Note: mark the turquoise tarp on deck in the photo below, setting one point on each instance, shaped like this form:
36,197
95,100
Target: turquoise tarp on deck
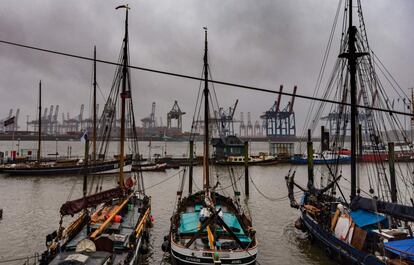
189,225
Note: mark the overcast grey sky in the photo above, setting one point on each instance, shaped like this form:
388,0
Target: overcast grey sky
262,43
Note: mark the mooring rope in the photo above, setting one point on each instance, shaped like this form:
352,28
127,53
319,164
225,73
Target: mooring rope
286,197
164,180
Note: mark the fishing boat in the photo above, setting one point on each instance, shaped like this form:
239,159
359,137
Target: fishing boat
261,159
112,226
373,225
206,226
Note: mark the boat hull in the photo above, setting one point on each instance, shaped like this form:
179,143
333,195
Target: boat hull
304,161
335,248
252,163
183,256
63,170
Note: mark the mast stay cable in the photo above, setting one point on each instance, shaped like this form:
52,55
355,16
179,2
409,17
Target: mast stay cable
248,87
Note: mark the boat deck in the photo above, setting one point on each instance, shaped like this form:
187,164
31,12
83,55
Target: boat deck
118,232
190,223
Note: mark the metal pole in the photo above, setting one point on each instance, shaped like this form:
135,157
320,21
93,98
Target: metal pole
190,172
246,168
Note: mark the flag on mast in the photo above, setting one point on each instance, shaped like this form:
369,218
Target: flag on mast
84,137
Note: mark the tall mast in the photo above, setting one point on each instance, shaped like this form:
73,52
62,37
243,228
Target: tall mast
94,106
124,95
352,57
39,139
206,117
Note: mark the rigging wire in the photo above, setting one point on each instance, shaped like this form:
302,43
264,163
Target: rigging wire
324,63
197,78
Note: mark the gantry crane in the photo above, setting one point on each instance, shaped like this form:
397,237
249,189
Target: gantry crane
280,122
175,114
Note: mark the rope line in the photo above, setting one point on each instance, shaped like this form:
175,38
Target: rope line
200,79
270,198
165,180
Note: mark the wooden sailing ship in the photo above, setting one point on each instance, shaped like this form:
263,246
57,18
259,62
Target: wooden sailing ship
373,225
41,167
112,225
208,227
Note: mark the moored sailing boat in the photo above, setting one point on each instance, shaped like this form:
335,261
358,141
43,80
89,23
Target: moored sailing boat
208,227
112,226
64,166
374,226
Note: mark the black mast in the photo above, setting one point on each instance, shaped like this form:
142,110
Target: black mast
39,139
352,56
94,105
352,71
124,95
206,117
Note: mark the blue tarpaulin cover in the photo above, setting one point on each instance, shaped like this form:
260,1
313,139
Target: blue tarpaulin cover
364,218
403,248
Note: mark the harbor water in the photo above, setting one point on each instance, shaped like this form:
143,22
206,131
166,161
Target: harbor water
31,205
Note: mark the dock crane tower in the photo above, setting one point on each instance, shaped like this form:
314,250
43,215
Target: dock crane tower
175,114
280,122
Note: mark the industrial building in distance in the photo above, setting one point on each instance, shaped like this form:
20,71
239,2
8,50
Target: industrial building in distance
275,124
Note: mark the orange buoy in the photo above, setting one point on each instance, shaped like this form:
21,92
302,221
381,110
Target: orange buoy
117,218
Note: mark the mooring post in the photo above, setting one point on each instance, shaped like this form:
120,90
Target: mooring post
310,160
246,168
360,145
86,163
391,162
